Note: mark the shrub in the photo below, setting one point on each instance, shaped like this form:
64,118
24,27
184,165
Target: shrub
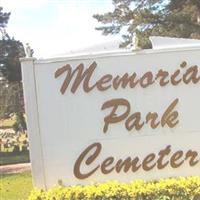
166,189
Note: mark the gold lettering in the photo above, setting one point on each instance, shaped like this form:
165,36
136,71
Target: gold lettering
147,160
107,81
193,157
106,163
134,122
101,83
127,164
125,80
77,167
163,75
81,75
148,77
174,76
162,154
175,158
170,117
152,117
113,117
191,75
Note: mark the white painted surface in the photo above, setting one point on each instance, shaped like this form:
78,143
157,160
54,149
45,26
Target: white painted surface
32,112
168,42
61,126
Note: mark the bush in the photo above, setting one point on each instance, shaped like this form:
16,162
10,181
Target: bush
168,189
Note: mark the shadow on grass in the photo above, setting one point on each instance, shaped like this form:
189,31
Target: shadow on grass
14,157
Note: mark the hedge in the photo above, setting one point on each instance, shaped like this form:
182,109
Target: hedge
166,189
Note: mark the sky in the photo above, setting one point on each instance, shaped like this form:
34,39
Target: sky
54,27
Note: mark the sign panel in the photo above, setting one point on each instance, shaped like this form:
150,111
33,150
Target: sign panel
117,116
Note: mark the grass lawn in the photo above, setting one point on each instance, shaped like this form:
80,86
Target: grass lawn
15,186
13,157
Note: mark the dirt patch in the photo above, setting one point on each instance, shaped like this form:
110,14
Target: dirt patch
15,168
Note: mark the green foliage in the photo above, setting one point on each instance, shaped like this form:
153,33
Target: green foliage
7,158
173,18
20,124
11,99
3,18
168,189
10,51
15,186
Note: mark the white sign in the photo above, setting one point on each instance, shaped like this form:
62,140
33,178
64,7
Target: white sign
114,116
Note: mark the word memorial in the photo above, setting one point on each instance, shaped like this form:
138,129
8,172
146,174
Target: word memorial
113,116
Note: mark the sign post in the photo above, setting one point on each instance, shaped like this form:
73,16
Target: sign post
113,116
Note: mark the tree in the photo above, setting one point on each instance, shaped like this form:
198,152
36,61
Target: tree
11,93
173,18
10,52
11,98
3,19
20,124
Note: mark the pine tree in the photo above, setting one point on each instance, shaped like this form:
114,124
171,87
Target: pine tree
173,18
11,94
10,51
4,17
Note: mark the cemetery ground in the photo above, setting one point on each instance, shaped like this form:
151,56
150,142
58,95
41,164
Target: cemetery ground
14,150
13,144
